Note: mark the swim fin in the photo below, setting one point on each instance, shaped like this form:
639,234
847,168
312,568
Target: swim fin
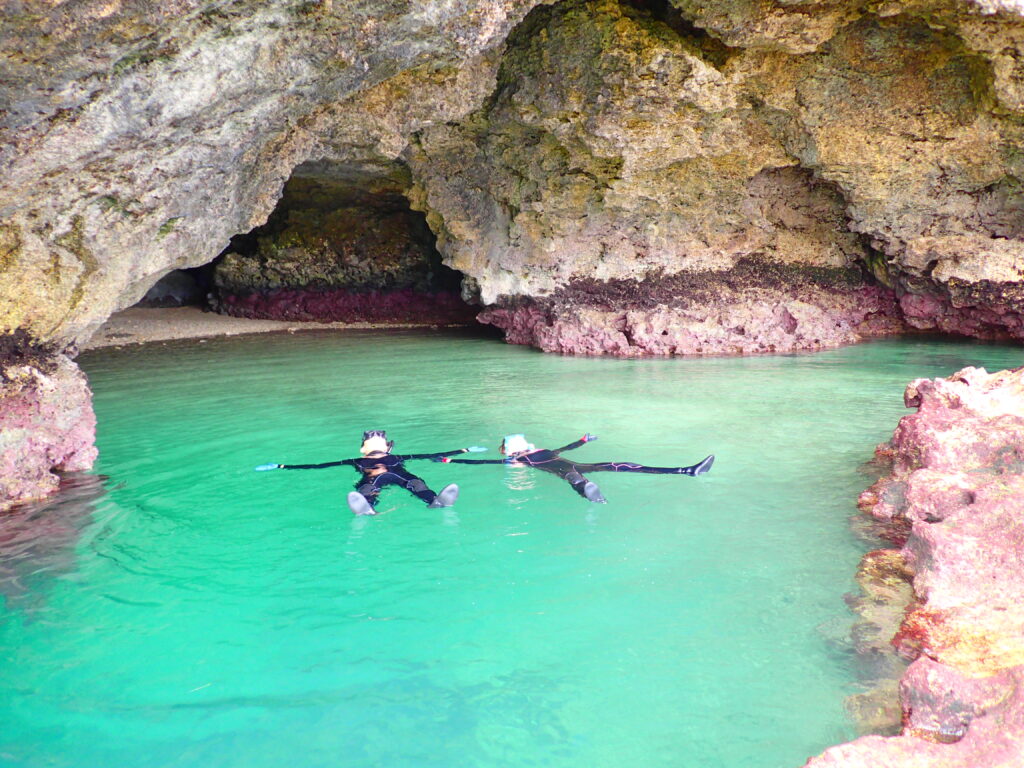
592,493
359,505
446,498
703,467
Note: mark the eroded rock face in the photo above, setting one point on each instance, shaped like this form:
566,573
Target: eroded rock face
754,308
605,141
622,145
957,486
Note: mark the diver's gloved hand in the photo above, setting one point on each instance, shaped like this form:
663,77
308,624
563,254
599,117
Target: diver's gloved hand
265,467
476,449
589,438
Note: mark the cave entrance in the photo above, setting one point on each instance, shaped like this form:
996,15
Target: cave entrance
343,244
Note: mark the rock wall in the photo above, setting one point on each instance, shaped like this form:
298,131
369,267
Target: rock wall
597,140
953,499
139,137
685,143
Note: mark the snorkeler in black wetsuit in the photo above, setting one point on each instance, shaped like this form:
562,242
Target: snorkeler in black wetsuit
519,452
381,468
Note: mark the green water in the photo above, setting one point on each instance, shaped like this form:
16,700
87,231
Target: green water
197,613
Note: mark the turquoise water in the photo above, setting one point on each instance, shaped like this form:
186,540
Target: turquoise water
193,612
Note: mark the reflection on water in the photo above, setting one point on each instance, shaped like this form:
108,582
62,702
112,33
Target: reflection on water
37,541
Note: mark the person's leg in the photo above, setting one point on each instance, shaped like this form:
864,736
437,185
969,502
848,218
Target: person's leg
364,498
699,468
369,490
585,488
414,485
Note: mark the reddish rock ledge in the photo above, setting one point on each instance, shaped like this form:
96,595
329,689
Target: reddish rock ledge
754,308
955,499
337,305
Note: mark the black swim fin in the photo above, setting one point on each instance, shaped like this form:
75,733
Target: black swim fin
359,505
446,498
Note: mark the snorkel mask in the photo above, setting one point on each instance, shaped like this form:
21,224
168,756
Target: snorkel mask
515,444
376,440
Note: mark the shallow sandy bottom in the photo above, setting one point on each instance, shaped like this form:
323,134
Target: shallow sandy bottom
140,325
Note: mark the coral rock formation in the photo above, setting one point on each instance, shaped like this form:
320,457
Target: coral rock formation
46,425
956,486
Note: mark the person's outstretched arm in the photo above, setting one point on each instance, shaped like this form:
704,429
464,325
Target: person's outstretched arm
587,438
325,465
438,456
446,460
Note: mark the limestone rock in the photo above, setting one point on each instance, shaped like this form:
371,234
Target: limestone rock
596,140
360,247
140,137
651,149
746,310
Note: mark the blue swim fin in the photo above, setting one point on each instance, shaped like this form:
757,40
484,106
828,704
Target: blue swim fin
359,505
446,498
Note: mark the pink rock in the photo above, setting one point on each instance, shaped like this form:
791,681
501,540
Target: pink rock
958,488
46,425
984,320
939,703
401,306
732,321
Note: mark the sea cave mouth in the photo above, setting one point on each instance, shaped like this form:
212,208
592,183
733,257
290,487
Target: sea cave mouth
342,245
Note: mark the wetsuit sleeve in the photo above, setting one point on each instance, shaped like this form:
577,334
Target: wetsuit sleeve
343,462
472,461
410,456
571,446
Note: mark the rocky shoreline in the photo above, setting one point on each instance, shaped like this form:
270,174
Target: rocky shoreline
952,503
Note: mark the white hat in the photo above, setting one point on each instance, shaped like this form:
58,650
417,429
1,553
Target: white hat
516,444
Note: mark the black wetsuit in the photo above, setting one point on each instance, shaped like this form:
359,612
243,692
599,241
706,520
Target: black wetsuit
394,473
572,471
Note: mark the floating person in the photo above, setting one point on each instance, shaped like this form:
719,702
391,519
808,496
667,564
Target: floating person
518,452
381,468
